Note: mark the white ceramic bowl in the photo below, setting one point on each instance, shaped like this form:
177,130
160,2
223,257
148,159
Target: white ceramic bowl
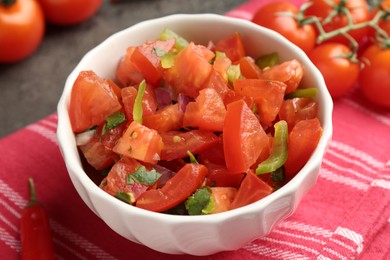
196,235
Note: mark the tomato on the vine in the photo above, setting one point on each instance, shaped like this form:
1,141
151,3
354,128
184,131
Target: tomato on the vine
22,26
358,10
304,36
383,23
375,76
68,12
340,73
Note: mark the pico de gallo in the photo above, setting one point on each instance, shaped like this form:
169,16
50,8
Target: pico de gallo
190,129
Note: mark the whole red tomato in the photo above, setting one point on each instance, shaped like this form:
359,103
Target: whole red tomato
358,10
374,79
68,12
383,23
339,72
304,36
22,26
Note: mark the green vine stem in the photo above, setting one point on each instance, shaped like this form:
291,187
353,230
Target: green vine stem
340,9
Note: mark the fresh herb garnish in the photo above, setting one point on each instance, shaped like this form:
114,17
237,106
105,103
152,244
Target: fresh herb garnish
143,176
200,202
113,121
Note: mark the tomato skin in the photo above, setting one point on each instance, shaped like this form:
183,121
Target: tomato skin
302,141
127,74
267,94
148,62
251,190
165,119
149,101
375,77
97,154
232,46
92,100
289,72
302,36
359,12
190,71
220,176
116,178
340,74
243,137
176,144
248,68
207,112
69,12
297,109
22,26
175,191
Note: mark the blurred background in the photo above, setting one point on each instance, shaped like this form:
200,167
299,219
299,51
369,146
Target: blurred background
31,88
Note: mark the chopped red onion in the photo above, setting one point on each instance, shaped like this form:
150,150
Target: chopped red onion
84,137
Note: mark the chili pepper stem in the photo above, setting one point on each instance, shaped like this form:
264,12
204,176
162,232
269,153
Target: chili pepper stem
33,195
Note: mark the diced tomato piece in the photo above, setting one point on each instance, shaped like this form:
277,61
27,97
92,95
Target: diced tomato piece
243,137
147,58
141,143
266,152
115,88
127,73
223,198
232,96
98,155
251,190
116,178
176,144
111,137
206,52
214,154
302,141
248,68
267,94
221,65
220,176
232,46
297,109
149,101
215,81
166,119
190,71
92,100
289,72
207,112
175,191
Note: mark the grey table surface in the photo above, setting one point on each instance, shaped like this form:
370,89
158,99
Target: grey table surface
30,89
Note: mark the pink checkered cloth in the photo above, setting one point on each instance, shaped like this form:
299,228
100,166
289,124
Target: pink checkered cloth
345,216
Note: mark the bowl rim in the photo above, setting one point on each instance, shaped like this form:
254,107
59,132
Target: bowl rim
67,143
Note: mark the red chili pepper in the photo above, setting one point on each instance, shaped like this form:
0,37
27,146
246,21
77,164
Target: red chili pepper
35,230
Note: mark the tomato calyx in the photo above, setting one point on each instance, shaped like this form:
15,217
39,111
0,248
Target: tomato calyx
33,195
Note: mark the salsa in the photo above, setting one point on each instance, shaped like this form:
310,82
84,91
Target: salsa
190,129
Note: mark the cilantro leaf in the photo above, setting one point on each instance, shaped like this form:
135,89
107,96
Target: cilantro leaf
113,121
142,176
199,202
